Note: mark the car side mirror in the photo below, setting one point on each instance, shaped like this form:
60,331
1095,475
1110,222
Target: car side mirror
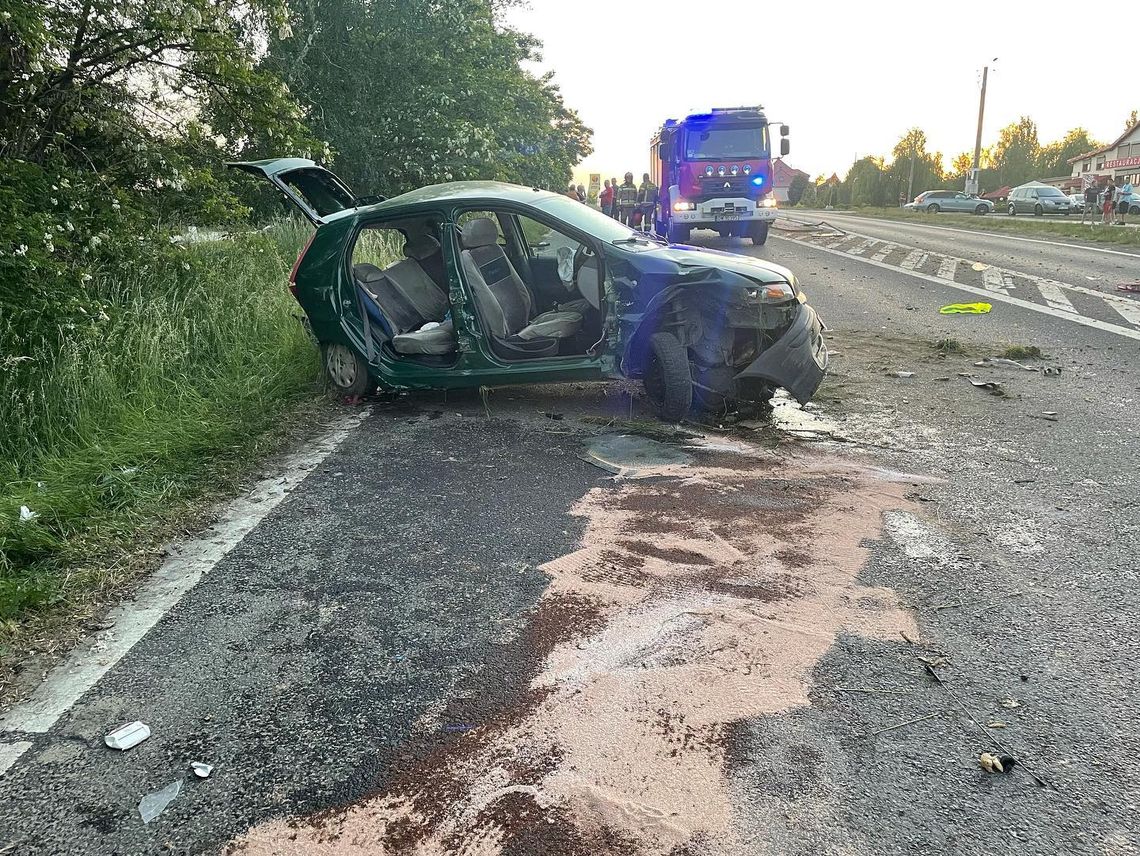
785,146
783,130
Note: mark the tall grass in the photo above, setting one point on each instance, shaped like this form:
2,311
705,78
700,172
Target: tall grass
117,421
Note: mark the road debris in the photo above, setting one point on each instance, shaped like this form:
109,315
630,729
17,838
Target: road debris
899,725
128,736
202,771
1007,752
630,456
979,266
1129,286
1051,370
997,723
900,374
1048,417
996,763
991,362
154,804
27,514
966,309
1010,703
993,387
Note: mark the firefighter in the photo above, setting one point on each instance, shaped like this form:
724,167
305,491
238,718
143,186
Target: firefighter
626,199
647,201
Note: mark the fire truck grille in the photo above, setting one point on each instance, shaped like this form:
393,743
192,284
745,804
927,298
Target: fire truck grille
734,184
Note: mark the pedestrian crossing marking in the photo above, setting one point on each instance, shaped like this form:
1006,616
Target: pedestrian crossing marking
947,268
993,280
914,259
1054,295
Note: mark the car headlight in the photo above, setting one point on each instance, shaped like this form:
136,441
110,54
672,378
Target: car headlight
773,291
747,168
720,170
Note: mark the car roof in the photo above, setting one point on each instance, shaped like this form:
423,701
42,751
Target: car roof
463,191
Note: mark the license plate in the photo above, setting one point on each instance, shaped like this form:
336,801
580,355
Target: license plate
729,216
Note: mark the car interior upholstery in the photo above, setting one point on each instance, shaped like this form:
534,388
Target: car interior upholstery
504,302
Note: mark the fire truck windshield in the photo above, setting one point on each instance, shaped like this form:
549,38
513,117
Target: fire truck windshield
712,143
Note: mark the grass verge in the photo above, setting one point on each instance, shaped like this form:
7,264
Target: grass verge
116,431
1046,228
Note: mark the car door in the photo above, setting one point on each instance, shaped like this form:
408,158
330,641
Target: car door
962,202
313,190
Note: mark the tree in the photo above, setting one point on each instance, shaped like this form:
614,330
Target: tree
1017,151
1133,120
797,188
927,167
1053,159
412,92
961,165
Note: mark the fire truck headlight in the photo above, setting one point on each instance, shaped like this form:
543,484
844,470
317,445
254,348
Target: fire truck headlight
770,202
747,168
758,180
709,169
720,170
735,169
683,205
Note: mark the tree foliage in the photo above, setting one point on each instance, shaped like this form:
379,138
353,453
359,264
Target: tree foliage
413,92
1053,159
797,188
1017,151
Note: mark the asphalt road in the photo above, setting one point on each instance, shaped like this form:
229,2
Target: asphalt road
455,635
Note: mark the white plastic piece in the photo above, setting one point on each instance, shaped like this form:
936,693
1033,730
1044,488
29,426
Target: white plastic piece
128,736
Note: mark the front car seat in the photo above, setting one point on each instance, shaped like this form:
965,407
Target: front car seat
504,303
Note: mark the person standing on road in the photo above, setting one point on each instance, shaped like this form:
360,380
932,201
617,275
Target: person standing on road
1089,208
614,206
1122,205
647,200
606,199
1107,206
627,200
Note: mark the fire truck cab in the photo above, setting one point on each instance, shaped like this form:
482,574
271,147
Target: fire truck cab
715,172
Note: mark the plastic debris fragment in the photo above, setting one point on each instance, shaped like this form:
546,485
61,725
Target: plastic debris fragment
127,736
154,804
202,771
966,309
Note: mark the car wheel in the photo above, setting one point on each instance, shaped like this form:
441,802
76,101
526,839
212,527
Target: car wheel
982,209
1012,211
345,371
668,378
1038,211
933,208
758,232
1134,209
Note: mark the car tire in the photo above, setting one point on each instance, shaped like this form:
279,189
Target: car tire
758,232
345,371
933,208
668,378
1038,211
1134,209
1012,211
982,209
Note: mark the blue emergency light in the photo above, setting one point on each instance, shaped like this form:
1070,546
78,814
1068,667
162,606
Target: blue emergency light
758,180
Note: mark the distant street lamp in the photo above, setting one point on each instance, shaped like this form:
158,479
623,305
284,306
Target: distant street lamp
972,181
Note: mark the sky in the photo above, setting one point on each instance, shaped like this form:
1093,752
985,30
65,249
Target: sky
848,78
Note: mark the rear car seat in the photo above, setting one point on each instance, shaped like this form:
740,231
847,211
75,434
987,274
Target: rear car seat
408,298
502,299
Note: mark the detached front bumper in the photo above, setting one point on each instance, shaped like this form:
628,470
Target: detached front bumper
797,361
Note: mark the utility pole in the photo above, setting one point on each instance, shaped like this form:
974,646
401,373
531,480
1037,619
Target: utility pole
910,181
972,181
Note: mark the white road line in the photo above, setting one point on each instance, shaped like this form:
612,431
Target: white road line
914,259
1130,312
189,561
1054,295
884,252
1007,235
1127,332
862,247
992,280
947,268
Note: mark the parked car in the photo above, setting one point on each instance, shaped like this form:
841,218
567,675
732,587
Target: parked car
500,284
1133,200
1038,199
949,200
1076,202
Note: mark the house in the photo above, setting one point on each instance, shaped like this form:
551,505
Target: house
999,195
782,176
1118,162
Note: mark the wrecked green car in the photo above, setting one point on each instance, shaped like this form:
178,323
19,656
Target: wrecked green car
476,283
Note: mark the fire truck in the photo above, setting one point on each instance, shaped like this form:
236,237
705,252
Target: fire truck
715,172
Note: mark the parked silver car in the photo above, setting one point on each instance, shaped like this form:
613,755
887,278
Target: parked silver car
1038,199
949,200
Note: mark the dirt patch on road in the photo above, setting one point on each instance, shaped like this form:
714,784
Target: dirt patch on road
617,744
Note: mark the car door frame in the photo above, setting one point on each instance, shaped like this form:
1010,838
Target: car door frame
596,362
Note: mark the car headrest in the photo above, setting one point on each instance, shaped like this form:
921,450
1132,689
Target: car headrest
479,233
365,272
421,247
